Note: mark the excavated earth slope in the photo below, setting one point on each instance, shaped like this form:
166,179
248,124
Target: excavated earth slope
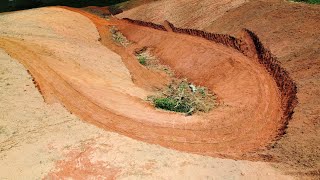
99,88
176,11
62,52
291,31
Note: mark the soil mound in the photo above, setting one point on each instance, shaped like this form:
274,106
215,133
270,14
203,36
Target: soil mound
105,92
290,31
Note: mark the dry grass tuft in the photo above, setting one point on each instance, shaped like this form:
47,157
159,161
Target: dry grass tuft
182,96
118,37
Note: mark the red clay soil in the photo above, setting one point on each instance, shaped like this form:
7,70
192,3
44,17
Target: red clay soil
249,45
291,31
248,119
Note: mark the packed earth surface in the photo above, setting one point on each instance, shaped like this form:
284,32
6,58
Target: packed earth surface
73,102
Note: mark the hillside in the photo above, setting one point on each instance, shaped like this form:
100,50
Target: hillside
79,104
76,66
290,30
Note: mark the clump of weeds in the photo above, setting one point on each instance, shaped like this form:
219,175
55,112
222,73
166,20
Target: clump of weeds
184,97
118,37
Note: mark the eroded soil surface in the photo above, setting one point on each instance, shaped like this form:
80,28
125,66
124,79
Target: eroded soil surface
99,84
291,31
100,91
75,63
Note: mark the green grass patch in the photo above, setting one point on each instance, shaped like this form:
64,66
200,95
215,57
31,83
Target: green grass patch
118,37
142,59
146,58
184,97
308,1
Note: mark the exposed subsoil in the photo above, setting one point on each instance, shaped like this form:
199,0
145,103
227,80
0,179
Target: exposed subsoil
248,119
291,31
61,50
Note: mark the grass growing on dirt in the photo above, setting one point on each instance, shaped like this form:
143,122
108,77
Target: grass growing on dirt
308,1
118,37
142,59
182,96
146,58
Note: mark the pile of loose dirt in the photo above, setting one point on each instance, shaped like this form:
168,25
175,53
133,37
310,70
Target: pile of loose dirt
61,51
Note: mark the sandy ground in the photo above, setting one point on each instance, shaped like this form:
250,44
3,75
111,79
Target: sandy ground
38,141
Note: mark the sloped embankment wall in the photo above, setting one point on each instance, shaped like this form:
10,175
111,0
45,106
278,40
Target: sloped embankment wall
146,24
250,46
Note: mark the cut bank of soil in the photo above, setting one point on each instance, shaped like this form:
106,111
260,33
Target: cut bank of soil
37,136
291,31
248,120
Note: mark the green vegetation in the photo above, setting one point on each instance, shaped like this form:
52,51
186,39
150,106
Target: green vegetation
308,1
118,37
146,58
142,59
182,96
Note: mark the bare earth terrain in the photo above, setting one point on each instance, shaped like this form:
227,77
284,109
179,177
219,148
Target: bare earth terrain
291,31
45,141
73,102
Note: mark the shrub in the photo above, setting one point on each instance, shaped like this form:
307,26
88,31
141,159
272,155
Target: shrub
165,103
182,96
142,59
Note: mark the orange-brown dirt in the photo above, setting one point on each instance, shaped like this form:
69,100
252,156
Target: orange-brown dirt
63,52
291,31
250,115
247,120
79,166
249,95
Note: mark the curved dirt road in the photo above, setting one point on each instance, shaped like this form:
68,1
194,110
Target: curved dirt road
106,90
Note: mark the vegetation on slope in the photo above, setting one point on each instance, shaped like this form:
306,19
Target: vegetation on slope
118,37
308,1
182,96
146,58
